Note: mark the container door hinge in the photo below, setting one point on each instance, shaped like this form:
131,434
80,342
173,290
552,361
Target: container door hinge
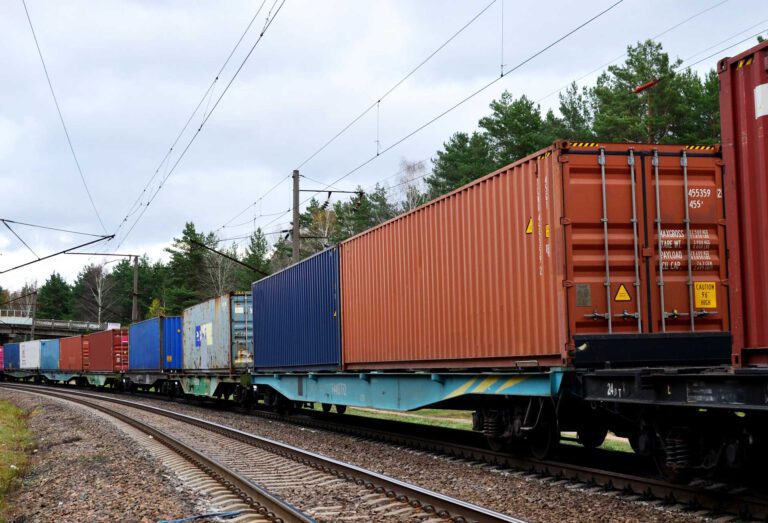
565,221
568,283
647,252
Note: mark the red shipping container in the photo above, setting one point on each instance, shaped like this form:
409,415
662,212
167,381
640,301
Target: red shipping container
71,353
515,267
744,123
108,351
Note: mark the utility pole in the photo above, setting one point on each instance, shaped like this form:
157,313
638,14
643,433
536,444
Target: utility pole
135,311
296,235
34,313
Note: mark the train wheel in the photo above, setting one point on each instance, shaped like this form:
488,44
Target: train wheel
545,438
326,407
341,409
591,437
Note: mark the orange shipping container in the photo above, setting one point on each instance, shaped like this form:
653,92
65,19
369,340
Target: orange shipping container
563,256
71,353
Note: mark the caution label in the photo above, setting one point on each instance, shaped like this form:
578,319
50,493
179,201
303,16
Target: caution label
705,294
529,227
622,294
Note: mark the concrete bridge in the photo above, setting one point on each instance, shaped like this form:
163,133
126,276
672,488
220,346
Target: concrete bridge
16,326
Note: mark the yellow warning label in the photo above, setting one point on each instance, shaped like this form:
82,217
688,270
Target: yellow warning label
622,294
705,294
546,230
529,227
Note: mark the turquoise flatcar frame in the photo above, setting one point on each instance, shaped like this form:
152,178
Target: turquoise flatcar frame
403,392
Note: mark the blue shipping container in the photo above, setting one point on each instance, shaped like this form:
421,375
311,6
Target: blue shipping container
296,316
11,356
49,354
155,344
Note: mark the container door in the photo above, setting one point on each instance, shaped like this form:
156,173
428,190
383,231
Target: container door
242,331
686,225
603,234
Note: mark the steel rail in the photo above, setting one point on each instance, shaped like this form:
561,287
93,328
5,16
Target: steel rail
263,502
429,501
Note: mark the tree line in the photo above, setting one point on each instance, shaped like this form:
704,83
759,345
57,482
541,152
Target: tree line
681,107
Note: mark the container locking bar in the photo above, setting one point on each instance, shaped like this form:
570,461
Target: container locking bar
689,283
659,240
601,161
631,161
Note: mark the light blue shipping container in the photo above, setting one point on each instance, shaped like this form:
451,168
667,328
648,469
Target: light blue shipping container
155,344
49,354
11,356
218,334
296,316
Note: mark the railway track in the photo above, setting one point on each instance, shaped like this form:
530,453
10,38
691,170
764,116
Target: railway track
263,472
705,496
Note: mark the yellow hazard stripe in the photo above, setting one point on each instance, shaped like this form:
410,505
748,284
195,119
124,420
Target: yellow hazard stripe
545,155
744,63
584,144
461,390
700,147
485,385
509,383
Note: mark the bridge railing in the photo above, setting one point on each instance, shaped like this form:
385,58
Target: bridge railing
24,318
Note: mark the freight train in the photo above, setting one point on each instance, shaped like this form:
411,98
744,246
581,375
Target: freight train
590,287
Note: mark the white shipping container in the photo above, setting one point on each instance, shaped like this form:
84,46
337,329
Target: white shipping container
29,355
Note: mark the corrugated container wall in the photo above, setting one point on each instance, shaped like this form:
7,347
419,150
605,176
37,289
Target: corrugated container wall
744,123
217,334
49,354
1,357
11,356
71,353
108,351
296,321
155,344
29,355
558,250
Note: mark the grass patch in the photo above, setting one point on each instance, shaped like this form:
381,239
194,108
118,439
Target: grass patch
452,419
15,439
612,443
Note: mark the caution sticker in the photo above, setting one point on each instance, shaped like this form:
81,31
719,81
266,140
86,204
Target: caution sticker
622,294
529,227
705,294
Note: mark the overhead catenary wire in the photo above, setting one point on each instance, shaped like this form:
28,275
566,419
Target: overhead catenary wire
752,36
206,95
389,91
606,64
50,228
375,104
462,101
61,118
278,4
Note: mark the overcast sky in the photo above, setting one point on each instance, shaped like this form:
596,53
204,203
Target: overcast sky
128,74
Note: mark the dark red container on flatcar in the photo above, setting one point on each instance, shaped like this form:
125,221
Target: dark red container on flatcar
744,123
582,253
71,353
108,351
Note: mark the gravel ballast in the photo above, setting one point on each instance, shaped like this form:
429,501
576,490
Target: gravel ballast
84,468
531,499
